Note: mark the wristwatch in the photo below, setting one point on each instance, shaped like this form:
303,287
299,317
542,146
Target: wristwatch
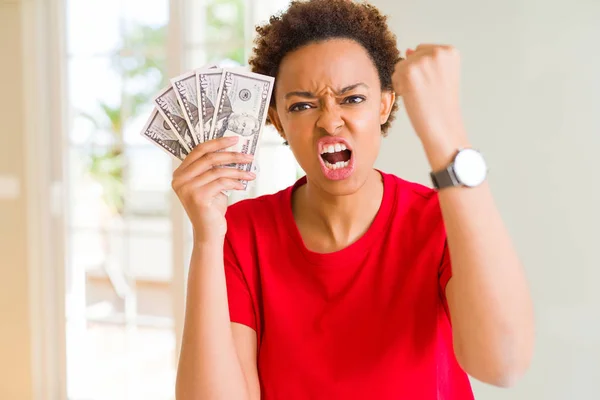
467,169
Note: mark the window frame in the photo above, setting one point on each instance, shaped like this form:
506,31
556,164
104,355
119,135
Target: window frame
47,144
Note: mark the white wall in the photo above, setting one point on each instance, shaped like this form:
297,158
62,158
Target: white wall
531,100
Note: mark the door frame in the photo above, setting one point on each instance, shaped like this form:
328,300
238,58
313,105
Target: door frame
43,94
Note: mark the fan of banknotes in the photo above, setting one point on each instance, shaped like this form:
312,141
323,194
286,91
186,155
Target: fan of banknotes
209,103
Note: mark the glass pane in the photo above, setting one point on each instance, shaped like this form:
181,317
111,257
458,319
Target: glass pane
146,12
94,104
217,27
149,173
120,333
93,26
149,259
278,169
95,189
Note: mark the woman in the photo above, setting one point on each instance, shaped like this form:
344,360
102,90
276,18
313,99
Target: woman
353,283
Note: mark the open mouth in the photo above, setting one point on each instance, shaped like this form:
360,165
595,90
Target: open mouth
336,156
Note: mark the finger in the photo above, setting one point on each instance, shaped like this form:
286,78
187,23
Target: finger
426,47
208,147
216,174
429,48
398,78
216,187
214,159
419,50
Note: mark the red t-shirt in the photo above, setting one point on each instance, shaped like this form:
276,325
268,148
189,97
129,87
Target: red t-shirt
367,322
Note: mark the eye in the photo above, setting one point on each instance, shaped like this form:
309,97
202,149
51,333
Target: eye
299,107
354,100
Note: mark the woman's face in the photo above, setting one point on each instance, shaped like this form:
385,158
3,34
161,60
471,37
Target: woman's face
330,108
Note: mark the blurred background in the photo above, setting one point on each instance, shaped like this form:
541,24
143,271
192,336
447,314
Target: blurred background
94,246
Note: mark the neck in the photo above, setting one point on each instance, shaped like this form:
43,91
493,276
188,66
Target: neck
328,222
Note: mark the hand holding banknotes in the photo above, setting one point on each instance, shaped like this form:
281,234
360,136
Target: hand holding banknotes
210,119
200,180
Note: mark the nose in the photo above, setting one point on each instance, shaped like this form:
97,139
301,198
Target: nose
330,118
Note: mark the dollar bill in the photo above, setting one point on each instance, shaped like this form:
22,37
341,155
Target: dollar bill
208,81
160,133
168,107
243,102
186,92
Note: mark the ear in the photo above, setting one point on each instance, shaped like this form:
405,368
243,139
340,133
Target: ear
274,118
388,98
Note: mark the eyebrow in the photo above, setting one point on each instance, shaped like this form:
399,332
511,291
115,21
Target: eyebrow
312,95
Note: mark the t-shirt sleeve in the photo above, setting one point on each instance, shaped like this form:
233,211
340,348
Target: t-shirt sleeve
445,273
241,308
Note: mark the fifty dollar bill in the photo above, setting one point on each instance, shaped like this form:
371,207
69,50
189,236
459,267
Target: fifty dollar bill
243,102
208,81
186,92
159,132
168,107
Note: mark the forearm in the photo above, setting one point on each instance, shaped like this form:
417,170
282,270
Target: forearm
208,366
488,298
490,306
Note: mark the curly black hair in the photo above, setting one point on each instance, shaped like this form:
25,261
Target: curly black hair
313,21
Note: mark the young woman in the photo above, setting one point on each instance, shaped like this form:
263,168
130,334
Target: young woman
353,283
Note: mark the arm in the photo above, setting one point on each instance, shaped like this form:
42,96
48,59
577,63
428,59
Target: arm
488,299
218,358
245,341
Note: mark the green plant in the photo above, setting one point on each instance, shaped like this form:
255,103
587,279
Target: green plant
140,62
225,30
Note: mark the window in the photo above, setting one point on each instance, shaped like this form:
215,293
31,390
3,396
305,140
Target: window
121,238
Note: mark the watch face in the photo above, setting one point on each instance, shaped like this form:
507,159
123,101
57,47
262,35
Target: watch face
470,167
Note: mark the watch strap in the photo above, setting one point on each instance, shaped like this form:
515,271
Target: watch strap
444,178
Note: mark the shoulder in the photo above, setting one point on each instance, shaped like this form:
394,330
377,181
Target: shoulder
244,211
252,223
417,209
416,206
413,194
255,212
